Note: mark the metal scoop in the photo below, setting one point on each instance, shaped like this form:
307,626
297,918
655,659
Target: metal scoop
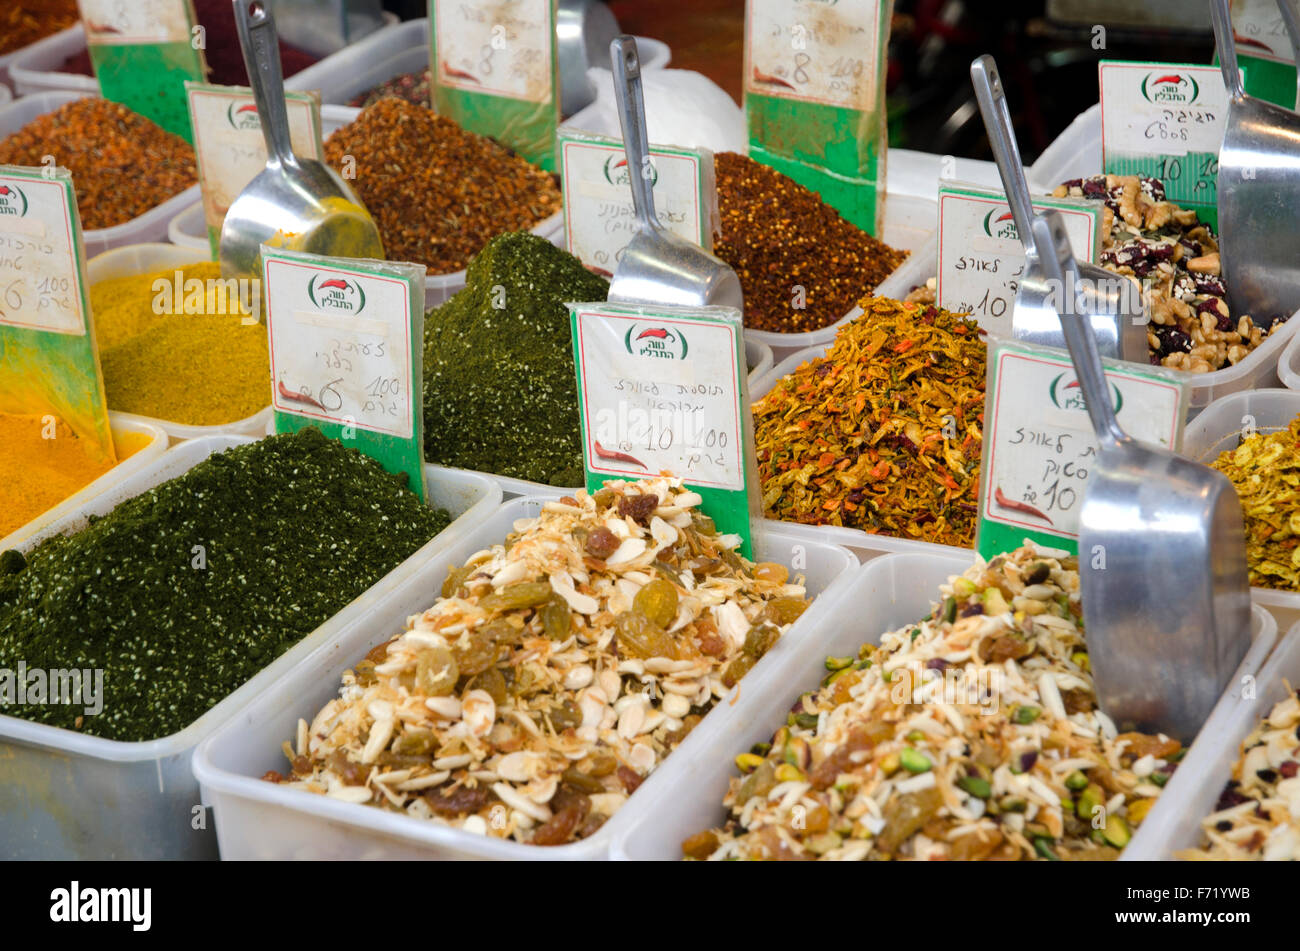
1111,302
657,266
293,203
1162,555
1258,189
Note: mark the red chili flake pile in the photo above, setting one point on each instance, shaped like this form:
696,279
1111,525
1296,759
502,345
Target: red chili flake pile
884,433
26,21
779,235
437,192
122,164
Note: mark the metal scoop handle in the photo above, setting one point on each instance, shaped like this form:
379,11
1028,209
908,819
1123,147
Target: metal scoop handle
1062,271
258,40
1226,46
626,64
992,99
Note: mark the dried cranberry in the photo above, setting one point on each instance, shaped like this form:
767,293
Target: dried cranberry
1209,284
1094,188
971,610
1289,768
1172,340
1027,761
1230,797
936,663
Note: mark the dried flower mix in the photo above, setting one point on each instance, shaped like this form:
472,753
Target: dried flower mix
290,529
122,164
555,673
1257,817
500,393
1176,258
412,87
194,361
972,734
884,432
780,236
437,192
1265,471
23,22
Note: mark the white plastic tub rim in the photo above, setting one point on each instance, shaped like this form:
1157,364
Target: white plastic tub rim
1288,364
38,67
883,595
228,767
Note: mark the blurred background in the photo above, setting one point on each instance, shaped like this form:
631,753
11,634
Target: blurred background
1046,52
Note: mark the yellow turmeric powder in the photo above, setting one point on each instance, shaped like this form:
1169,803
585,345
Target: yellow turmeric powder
44,462
175,345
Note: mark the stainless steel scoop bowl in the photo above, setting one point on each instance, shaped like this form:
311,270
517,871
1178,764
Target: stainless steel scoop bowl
1162,555
294,202
658,267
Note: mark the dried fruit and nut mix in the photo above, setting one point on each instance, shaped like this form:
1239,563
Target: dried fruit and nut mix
437,192
1258,815
1265,471
884,432
801,265
973,734
122,164
556,671
1176,258
413,87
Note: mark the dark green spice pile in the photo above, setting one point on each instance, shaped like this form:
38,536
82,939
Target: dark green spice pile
499,389
292,529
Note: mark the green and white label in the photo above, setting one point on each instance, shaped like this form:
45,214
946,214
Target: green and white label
230,147
599,218
1039,445
1165,121
662,390
1264,51
143,52
814,97
48,360
345,339
495,71
981,256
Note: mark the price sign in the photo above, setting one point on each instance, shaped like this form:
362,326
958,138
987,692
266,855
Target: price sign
1165,121
599,219
815,100
663,390
1264,51
230,147
495,71
981,256
48,361
143,51
345,339
1039,444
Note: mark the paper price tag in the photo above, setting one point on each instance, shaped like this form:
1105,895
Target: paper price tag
599,219
48,360
1165,121
1264,51
136,21
345,340
1039,444
981,256
230,147
495,71
663,390
814,97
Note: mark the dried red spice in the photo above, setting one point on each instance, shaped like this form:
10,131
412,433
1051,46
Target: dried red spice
23,22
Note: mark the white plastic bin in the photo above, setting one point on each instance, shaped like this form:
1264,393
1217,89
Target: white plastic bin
910,224
189,230
261,820
120,424
918,173
144,259
150,226
1075,153
5,94
883,595
39,67
758,358
64,795
1288,364
1200,778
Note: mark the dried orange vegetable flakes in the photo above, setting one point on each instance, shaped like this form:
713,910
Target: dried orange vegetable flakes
884,432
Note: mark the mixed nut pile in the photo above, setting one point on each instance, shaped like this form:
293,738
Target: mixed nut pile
555,673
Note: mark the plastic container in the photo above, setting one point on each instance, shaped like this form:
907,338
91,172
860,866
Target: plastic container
1200,778
5,94
883,595
256,819
910,224
189,230
65,795
758,358
918,173
150,226
121,424
1288,364
144,259
1075,153
38,68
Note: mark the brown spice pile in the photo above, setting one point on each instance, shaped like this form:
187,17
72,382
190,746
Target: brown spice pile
26,21
122,164
884,433
437,192
778,236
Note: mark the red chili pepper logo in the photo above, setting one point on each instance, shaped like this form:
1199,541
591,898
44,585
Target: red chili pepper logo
250,107
4,189
657,332
1006,216
1171,78
335,282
